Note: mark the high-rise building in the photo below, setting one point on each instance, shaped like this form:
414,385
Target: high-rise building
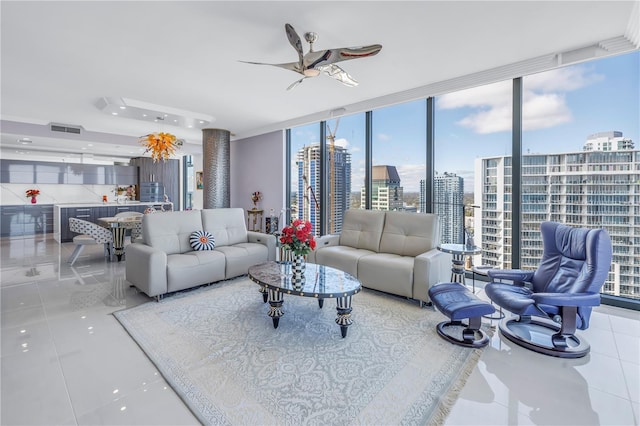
308,162
448,194
594,188
386,192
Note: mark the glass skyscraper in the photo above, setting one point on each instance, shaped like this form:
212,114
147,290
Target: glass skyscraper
598,187
308,190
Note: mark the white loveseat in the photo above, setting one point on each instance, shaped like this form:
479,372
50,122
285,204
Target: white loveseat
165,262
394,252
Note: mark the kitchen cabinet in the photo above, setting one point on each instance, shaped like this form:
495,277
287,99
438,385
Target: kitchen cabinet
166,173
26,220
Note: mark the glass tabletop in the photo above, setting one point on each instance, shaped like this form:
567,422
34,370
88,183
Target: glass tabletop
320,281
459,249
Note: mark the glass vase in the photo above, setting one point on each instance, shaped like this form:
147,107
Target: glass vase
33,200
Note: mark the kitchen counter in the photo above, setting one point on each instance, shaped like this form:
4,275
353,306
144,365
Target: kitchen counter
91,212
99,204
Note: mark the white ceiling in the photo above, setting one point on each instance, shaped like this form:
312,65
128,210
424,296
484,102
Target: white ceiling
60,58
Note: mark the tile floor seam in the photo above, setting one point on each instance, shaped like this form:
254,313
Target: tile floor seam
58,363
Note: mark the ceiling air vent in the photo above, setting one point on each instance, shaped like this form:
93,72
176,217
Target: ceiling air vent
65,128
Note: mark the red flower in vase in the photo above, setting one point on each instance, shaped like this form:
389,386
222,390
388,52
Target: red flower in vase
298,237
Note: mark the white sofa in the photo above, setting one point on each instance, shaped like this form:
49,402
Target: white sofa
165,262
394,252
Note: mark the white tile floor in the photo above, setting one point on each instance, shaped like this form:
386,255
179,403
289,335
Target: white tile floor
66,360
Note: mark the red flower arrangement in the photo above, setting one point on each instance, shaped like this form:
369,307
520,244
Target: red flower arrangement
298,237
32,193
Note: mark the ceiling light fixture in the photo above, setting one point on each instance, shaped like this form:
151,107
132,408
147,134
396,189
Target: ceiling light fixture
145,111
161,145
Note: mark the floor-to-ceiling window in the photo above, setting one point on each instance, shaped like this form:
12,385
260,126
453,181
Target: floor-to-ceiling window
345,167
580,162
581,159
472,176
305,174
188,178
399,157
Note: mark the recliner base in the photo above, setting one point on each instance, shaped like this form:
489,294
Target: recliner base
471,337
539,335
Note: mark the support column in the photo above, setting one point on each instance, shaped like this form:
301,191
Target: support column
216,163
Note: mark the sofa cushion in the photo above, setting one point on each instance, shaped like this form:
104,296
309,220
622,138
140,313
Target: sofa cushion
344,258
362,229
387,272
226,225
409,234
194,268
202,240
170,231
239,257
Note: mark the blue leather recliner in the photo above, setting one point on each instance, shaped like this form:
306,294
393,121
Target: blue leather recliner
554,300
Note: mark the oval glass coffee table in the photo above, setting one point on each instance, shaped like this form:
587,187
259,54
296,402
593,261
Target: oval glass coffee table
320,282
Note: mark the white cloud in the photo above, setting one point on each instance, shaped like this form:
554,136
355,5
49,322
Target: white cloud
410,176
495,119
481,96
544,102
384,137
544,111
341,142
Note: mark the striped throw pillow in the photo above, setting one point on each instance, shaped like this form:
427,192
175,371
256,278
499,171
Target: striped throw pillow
202,240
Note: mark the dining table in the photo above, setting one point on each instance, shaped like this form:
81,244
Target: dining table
118,227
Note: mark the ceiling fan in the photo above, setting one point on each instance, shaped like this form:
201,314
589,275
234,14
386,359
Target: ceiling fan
313,63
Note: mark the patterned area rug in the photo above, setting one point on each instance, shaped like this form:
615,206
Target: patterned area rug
218,349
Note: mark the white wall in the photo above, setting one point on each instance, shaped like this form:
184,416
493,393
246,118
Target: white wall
258,164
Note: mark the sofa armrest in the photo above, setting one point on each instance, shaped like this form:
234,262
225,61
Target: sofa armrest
146,268
322,242
266,239
430,268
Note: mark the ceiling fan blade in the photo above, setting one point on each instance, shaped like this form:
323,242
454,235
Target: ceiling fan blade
295,83
295,41
330,56
339,74
292,66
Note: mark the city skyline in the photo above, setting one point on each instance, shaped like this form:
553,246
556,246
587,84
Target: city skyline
561,108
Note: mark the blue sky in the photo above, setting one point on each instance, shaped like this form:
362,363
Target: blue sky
561,108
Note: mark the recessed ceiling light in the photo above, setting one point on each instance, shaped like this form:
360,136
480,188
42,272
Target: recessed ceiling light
84,148
89,144
140,110
114,113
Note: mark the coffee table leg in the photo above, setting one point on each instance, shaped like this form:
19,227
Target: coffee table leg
321,303
344,314
275,310
265,294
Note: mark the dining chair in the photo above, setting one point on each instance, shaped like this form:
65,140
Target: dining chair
136,232
90,233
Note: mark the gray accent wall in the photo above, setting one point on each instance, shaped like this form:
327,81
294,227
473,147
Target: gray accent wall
258,164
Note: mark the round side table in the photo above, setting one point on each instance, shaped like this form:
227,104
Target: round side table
459,252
